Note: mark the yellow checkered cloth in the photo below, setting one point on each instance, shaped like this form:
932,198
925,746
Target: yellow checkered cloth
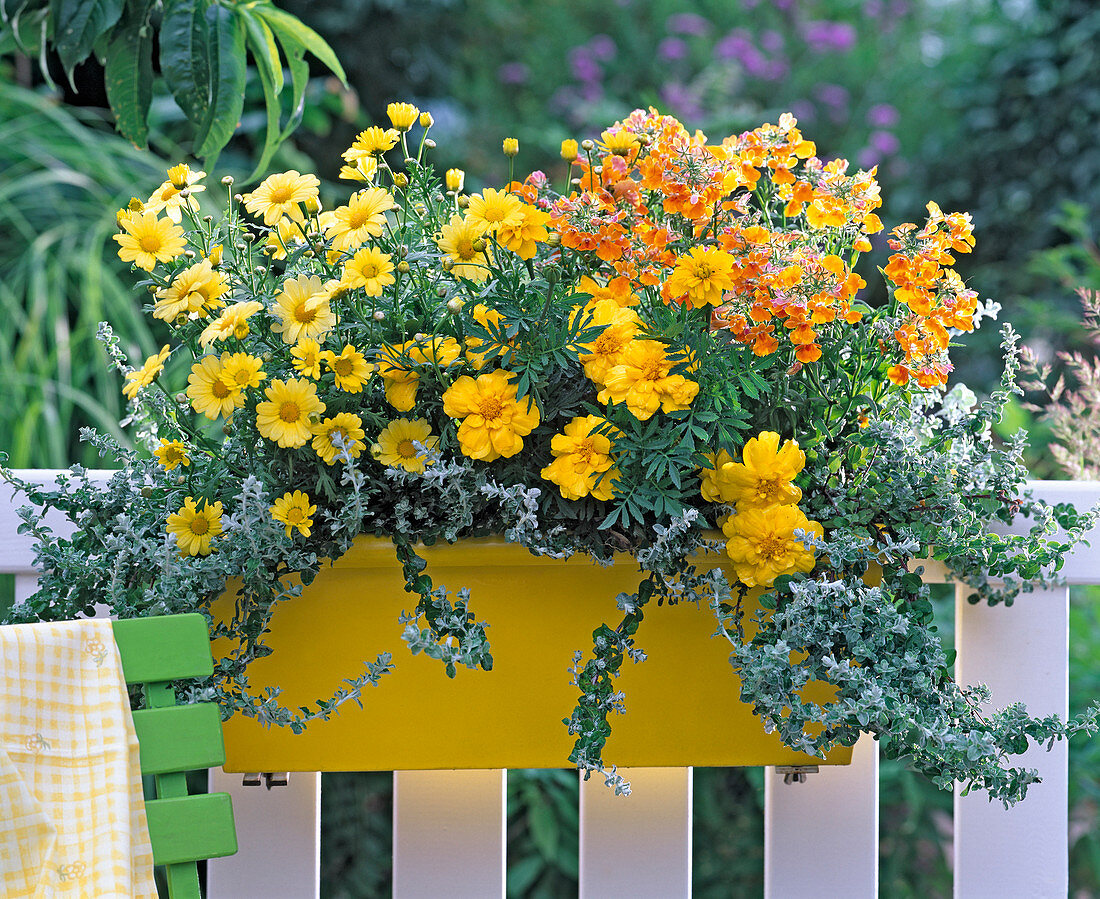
72,816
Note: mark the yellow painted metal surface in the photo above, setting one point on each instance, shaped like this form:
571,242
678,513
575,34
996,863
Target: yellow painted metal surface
682,704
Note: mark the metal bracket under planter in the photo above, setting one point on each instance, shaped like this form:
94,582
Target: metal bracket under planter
795,774
267,778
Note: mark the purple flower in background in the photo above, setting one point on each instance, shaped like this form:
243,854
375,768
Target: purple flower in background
687,23
783,5
513,73
883,115
754,62
591,92
804,111
680,100
733,45
868,157
885,142
824,36
775,70
872,8
584,66
672,48
831,95
602,47
771,40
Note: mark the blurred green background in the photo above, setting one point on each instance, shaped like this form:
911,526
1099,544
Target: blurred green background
980,105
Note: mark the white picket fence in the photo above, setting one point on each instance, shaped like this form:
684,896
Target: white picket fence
820,837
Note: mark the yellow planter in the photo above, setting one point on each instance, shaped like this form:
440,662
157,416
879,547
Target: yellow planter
682,704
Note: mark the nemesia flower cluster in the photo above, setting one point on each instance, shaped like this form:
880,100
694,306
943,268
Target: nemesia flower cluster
661,350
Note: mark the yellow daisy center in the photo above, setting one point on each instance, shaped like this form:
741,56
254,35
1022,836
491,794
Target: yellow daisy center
464,248
150,243
289,412
343,367
199,526
303,314
357,218
281,195
368,270
406,450
219,389
294,515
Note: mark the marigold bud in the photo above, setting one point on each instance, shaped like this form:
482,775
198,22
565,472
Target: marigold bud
511,146
400,180
553,239
312,206
479,245
455,306
426,120
463,202
379,315
403,267
448,263
402,115
568,150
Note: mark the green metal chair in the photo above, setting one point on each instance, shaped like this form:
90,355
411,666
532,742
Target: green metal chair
183,828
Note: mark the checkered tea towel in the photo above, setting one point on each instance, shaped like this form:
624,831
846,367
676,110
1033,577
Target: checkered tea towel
72,816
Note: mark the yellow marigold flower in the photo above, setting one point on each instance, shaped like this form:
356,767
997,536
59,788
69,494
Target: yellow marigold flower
700,276
458,241
395,444
343,432
402,115
167,199
294,511
279,195
306,355
372,142
522,239
581,455
363,218
211,393
350,367
145,375
510,146
642,381
491,320
494,422
762,544
454,179
241,370
617,289
568,150
232,322
303,309
621,142
365,168
147,240
492,209
171,454
284,416
193,290
370,269
195,528
713,486
397,366
764,479
620,326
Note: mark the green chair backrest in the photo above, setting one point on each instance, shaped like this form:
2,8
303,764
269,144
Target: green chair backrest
174,740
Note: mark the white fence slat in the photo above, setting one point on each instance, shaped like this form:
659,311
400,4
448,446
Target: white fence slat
637,846
279,835
449,834
1021,654
25,586
821,836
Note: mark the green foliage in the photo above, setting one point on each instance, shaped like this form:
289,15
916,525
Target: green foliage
204,47
60,276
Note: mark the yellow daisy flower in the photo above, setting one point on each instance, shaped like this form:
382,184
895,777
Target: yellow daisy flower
762,544
510,146
402,115
210,392
494,422
347,427
306,355
365,168
362,219
454,179
195,528
232,322
294,511
242,370
303,310
283,238
459,241
145,375
494,209
167,199
171,454
395,444
147,240
193,290
372,142
370,269
350,367
284,416
279,195
621,143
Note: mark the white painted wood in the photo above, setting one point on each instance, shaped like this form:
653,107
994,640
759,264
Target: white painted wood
1082,565
279,839
637,846
449,834
821,836
25,586
1021,654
